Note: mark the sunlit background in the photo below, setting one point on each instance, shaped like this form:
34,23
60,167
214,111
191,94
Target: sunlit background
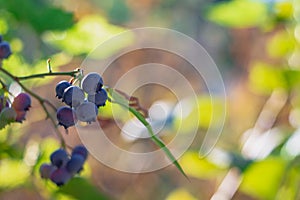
254,43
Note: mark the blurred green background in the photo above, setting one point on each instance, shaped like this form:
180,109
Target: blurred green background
255,44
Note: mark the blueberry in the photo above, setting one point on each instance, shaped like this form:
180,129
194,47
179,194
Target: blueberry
20,116
46,170
5,51
59,158
92,83
66,116
99,98
3,103
87,112
60,176
73,96
22,102
60,87
75,164
80,150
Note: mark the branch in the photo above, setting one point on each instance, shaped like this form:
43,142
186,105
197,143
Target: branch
42,75
41,100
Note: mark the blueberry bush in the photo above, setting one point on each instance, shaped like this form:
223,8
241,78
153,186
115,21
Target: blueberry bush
44,95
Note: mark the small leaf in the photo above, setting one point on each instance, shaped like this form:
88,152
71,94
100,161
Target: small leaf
262,178
237,13
81,189
7,116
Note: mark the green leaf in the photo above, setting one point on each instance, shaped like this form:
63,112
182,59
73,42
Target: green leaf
81,189
262,178
119,99
264,78
7,116
13,173
281,44
119,12
80,39
41,16
199,168
239,13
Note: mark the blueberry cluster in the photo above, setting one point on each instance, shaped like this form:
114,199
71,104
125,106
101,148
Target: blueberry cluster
5,50
17,110
82,102
63,167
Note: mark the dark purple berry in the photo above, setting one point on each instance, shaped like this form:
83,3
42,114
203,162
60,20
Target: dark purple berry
59,158
3,103
5,51
73,96
80,150
20,116
99,98
1,38
66,116
60,176
92,83
60,88
22,102
46,170
75,164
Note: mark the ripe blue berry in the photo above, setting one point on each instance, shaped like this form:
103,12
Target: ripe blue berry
66,116
60,88
46,170
5,51
87,112
73,96
92,83
75,164
60,176
80,150
59,158
99,98
3,103
22,102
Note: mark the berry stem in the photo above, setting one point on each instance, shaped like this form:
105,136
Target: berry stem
49,66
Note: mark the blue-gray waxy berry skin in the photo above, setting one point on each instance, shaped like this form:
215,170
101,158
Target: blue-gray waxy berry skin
59,158
80,150
75,164
66,116
60,88
99,98
92,83
46,170
5,50
73,96
87,112
60,176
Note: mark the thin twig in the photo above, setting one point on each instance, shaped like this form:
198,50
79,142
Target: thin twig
41,100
